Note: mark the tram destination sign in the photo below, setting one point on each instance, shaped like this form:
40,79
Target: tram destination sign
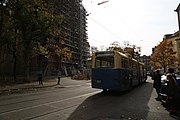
104,53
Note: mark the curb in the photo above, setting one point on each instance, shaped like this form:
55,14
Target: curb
28,87
24,88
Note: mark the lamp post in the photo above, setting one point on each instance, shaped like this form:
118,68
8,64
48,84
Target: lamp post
178,13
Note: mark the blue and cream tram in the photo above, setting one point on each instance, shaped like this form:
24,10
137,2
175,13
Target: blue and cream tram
113,70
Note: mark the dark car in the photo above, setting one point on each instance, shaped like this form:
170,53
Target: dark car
178,79
164,81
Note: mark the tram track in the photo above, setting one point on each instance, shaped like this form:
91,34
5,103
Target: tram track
51,105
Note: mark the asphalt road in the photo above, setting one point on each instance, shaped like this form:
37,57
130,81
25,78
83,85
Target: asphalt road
81,102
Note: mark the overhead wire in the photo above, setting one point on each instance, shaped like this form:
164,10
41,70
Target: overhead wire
96,40
106,29
101,25
111,31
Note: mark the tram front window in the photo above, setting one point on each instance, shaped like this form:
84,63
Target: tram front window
104,62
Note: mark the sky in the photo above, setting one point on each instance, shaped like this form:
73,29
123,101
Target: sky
138,22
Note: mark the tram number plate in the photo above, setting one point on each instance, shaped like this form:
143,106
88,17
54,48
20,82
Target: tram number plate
98,81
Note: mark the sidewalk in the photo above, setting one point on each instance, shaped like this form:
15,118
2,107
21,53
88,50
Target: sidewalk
65,82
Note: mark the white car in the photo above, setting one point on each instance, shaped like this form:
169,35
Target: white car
164,79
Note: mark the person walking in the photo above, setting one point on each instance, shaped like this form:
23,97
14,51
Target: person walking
40,77
172,92
59,77
157,84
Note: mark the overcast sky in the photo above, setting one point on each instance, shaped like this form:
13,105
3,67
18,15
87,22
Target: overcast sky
141,22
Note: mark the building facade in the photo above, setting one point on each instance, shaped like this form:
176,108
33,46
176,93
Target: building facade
174,41
178,15
74,35
146,60
75,38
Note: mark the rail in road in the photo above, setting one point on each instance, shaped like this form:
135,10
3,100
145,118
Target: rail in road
32,105
84,103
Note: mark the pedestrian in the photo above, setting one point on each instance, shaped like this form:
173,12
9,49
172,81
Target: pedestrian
40,75
157,83
172,94
59,77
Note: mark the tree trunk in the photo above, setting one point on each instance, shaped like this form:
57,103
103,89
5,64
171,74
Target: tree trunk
1,29
2,18
13,52
164,69
14,66
3,51
27,66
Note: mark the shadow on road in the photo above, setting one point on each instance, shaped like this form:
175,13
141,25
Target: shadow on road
115,105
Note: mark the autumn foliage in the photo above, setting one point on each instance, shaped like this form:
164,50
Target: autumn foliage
29,29
163,55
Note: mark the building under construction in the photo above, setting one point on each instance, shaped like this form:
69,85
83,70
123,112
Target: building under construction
75,39
74,26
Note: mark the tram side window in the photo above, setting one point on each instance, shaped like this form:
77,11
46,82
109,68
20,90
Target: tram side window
98,63
124,63
134,66
104,62
130,65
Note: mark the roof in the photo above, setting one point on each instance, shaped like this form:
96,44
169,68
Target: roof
168,36
178,8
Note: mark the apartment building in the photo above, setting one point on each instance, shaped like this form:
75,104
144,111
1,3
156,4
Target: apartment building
146,60
75,38
178,15
174,40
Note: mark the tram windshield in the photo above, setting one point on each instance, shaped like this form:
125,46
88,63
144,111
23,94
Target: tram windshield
104,62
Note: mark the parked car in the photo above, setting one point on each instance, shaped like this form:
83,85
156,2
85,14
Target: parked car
178,79
163,91
164,81
149,74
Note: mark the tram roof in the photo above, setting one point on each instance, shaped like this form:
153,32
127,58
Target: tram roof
122,54
104,53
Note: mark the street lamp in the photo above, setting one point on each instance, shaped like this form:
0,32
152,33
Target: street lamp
178,13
